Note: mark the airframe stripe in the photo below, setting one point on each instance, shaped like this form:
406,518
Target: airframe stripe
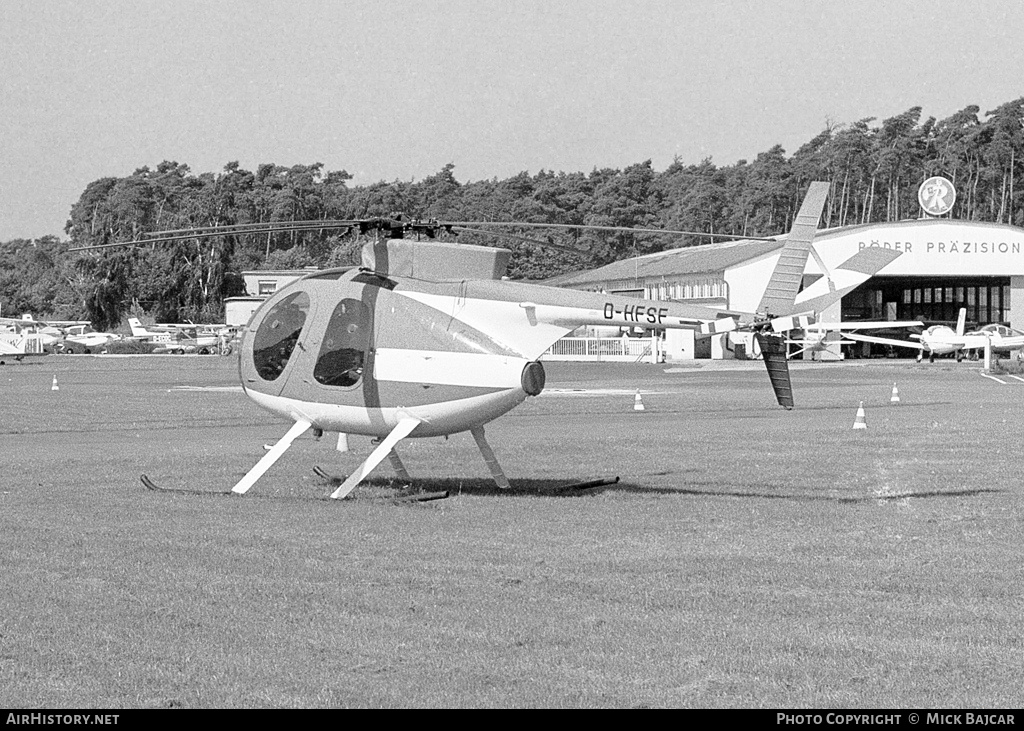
445,368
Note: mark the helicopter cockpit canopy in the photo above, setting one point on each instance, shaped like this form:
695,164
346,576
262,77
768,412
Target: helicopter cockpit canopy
276,337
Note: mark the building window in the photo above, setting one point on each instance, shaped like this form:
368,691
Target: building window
266,287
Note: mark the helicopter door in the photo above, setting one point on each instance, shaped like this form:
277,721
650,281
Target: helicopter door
343,348
276,337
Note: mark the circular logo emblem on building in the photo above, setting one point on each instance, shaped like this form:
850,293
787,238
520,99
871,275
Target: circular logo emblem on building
936,196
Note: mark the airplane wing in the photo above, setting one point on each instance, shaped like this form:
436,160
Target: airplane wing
22,322
866,325
812,343
884,341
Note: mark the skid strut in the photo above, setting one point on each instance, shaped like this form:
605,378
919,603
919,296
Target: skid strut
270,457
400,432
492,461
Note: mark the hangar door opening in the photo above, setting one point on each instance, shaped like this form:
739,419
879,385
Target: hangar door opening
933,300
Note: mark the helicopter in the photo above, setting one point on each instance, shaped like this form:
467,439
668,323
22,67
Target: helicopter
426,338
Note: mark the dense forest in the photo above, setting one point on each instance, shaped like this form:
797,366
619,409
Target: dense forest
874,170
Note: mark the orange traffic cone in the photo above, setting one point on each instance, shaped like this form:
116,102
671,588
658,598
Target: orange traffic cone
638,403
55,387
860,422
895,399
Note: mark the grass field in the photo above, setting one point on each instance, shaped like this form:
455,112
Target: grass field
749,557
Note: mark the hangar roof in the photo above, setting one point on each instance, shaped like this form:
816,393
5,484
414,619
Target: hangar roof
706,259
717,258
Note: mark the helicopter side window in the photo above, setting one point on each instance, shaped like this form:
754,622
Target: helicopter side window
278,334
340,362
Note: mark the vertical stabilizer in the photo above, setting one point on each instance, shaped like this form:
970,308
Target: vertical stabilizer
961,321
789,272
137,329
773,350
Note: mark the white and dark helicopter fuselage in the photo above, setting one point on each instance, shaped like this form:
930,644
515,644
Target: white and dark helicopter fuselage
357,352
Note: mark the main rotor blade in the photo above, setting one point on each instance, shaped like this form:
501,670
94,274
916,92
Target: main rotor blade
205,232
243,227
430,227
622,229
537,242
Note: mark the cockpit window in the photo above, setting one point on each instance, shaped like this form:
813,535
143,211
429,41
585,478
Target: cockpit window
277,335
340,362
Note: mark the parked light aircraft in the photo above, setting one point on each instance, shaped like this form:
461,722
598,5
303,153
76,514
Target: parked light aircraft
175,338
83,339
28,336
18,341
1004,339
23,336
426,339
944,340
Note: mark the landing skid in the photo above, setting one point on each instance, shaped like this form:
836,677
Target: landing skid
415,497
587,485
418,498
322,473
421,497
150,485
590,484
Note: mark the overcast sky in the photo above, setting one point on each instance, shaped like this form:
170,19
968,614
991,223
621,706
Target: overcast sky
396,90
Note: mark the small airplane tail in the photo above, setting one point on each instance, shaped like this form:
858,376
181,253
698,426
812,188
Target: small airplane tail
961,322
136,325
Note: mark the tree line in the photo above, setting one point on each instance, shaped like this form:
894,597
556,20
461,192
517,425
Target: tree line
874,169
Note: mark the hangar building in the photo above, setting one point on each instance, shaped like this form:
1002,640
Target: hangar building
945,264
259,285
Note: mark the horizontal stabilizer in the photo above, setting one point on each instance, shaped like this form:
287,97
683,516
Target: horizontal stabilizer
849,275
719,326
801,321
